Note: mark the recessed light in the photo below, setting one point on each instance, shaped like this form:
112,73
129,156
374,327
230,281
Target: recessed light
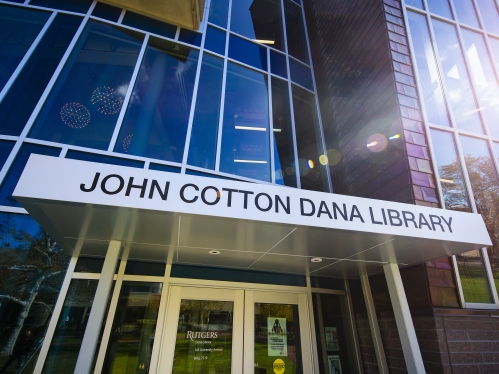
214,252
316,259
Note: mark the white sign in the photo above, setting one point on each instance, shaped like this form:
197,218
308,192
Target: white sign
334,364
111,185
277,337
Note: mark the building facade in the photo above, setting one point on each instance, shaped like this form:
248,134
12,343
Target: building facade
391,101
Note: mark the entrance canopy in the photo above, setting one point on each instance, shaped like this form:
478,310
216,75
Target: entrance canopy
206,221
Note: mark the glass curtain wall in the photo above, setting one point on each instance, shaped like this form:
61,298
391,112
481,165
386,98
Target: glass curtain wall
458,71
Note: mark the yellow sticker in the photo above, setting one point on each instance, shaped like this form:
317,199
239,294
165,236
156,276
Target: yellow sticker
278,366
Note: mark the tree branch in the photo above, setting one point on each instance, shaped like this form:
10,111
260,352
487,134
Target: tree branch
42,303
16,300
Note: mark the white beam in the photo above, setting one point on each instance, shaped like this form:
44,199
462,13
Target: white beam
405,327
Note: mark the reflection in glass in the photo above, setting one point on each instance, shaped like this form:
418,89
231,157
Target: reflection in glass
248,52
215,40
204,337
156,120
18,30
473,278
494,45
32,269
149,24
450,171
466,12
485,186
277,338
310,164
278,64
301,74
284,155
204,134
484,77
17,105
490,16
17,167
428,71
440,7
84,104
460,94
79,6
190,37
245,137
219,10
415,3
107,11
259,20
295,31
134,329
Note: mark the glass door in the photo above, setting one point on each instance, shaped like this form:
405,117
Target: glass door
277,333
203,331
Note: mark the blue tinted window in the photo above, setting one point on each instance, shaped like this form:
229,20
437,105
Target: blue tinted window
167,168
79,6
17,105
259,20
415,3
156,121
201,174
12,177
190,37
247,52
219,10
466,12
5,148
440,7
149,24
204,135
245,137
103,159
284,154
215,40
301,74
84,105
295,31
107,11
490,16
18,30
278,64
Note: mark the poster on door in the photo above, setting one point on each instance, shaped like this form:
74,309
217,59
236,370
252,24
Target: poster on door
334,364
277,337
331,338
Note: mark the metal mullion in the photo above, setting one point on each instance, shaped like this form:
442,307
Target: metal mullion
271,121
458,281
27,56
55,316
317,106
44,96
101,355
128,95
290,98
9,137
258,70
490,274
222,96
122,15
177,33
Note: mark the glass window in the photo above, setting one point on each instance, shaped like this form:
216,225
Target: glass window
89,264
440,7
134,329
79,6
156,120
485,185
17,105
428,71
18,30
415,3
190,37
219,10
284,154
277,338
85,102
301,74
484,77
250,53
473,278
450,171
94,157
494,45
490,16
309,143
204,133
145,268
33,269
278,64
215,40
295,31
149,24
107,11
460,94
17,167
466,12
5,149
166,168
259,20
201,316
245,137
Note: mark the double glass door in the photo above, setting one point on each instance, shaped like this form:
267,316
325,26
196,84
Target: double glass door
222,331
